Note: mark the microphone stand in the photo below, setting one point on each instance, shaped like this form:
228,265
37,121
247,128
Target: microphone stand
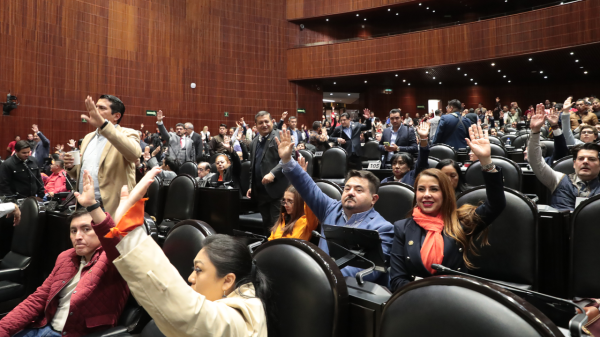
32,175
68,181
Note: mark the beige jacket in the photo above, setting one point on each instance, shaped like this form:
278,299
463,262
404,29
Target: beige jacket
175,307
117,163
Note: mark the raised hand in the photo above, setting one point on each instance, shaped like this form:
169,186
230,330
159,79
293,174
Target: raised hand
142,126
227,143
87,197
479,142
57,148
72,143
129,199
285,146
284,115
552,117
160,116
568,104
537,120
156,151
423,130
367,113
302,162
94,118
34,128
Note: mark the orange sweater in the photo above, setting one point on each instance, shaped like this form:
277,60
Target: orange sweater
302,228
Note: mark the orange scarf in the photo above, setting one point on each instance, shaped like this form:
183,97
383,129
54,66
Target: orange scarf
432,251
133,218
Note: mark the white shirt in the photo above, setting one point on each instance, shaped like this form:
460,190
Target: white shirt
392,141
6,208
64,300
91,162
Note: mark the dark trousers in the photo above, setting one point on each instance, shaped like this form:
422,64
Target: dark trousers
270,213
354,162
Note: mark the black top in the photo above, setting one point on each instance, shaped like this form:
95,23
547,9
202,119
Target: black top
405,257
16,178
232,173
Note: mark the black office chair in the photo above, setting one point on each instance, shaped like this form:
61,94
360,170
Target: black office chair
245,177
180,204
521,141
498,150
549,147
432,161
510,129
309,160
151,330
442,151
332,190
370,152
395,200
305,283
513,176
495,140
462,307
333,165
156,200
189,168
564,165
505,138
523,132
19,268
585,234
500,134
183,243
512,256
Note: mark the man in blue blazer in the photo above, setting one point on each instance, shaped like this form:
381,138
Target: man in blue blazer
347,135
453,128
41,150
354,210
399,138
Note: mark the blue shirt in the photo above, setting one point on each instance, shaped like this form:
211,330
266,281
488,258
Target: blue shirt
392,141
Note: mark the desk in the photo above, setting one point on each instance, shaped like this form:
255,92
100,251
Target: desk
219,207
553,250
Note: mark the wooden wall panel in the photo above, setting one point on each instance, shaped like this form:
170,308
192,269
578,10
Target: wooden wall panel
147,52
530,32
298,9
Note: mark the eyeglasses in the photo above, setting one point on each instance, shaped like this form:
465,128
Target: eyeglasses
287,202
587,132
200,169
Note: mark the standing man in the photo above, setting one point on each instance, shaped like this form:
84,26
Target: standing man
11,145
399,138
216,143
181,148
347,135
434,122
453,128
267,182
196,140
20,175
109,153
298,135
41,150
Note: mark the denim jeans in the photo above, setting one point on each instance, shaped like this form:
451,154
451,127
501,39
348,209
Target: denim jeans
41,332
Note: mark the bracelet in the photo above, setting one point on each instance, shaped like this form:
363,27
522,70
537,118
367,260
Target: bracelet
489,167
426,138
93,207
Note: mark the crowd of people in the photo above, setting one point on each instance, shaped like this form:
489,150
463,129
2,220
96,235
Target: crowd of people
112,168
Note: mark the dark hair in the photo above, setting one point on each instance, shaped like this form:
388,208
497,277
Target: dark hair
260,114
223,125
373,180
60,163
589,127
585,146
79,212
345,114
462,183
438,112
395,111
471,110
455,104
558,106
206,165
172,164
116,105
316,125
297,213
55,156
405,157
232,255
180,124
20,145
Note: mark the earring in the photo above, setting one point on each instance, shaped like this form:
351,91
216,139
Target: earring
224,294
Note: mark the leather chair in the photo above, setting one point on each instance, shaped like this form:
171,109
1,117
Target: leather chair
498,150
549,147
151,330
521,141
513,176
506,137
564,165
395,200
584,256
512,256
184,242
510,129
180,204
309,290
189,168
495,140
19,268
443,151
309,159
333,165
156,200
500,134
370,152
332,190
245,177
432,161
457,306
523,132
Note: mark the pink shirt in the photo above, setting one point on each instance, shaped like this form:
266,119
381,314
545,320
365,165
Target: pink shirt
56,183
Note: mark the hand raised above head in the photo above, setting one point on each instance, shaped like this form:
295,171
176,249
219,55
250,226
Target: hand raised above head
479,142
94,118
285,146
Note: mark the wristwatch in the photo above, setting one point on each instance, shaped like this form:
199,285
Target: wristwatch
93,207
104,124
489,167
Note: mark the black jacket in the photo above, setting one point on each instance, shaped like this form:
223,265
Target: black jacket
232,173
15,178
198,146
356,128
405,258
268,163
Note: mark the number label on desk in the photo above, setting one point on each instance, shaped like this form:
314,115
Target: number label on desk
319,154
374,165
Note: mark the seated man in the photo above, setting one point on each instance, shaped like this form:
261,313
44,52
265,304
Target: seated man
354,210
59,307
566,190
170,168
57,182
204,171
20,175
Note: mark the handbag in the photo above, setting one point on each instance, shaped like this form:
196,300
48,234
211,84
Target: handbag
592,327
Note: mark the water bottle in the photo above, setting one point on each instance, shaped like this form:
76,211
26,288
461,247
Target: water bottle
507,141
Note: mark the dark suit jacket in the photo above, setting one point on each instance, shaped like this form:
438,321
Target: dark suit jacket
198,146
42,150
405,258
356,128
405,140
449,134
268,163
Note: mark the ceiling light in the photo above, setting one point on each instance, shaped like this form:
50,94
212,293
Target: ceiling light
396,13
403,80
493,64
426,72
585,72
499,70
396,75
465,74
434,77
427,7
475,83
331,94
508,81
365,81
576,60
365,19
541,71
440,82
333,82
389,9
420,4
530,59
504,76
457,68
356,14
545,76
572,53
348,94
580,67
326,19
434,12
471,79
409,84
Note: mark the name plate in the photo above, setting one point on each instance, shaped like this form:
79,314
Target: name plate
374,165
319,154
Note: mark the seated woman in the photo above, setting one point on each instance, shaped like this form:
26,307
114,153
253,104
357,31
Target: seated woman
228,170
228,292
402,163
437,232
296,220
457,179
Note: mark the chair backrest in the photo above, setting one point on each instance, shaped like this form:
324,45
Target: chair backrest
585,234
443,151
333,163
564,165
332,190
154,203
512,254
500,134
510,129
184,242
511,137
549,147
181,198
26,237
189,168
309,160
498,150
305,283
521,141
432,161
510,170
245,177
461,307
495,140
395,201
371,151
151,330
523,132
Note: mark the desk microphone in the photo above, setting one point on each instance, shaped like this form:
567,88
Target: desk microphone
359,276
33,175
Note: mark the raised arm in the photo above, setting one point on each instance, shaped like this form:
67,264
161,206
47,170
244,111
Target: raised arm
164,134
565,121
545,174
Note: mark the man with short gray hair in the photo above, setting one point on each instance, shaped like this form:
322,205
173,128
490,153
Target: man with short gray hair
196,140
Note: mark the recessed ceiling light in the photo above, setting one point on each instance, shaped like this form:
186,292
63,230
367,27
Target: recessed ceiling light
530,59
389,9
545,76
580,67
426,72
499,70
348,94
585,72
504,76
508,81
326,19
396,75
471,79
440,82
427,7
457,68
465,74
356,14
576,60
434,12
434,77
541,71
409,84
403,80
475,83
572,53
493,64
396,13
365,19
334,82
420,4
331,94
365,81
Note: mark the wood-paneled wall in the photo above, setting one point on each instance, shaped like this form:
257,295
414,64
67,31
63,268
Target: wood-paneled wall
298,9
546,29
147,52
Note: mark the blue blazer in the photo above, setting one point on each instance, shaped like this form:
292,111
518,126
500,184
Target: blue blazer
406,140
449,134
42,150
406,260
356,128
